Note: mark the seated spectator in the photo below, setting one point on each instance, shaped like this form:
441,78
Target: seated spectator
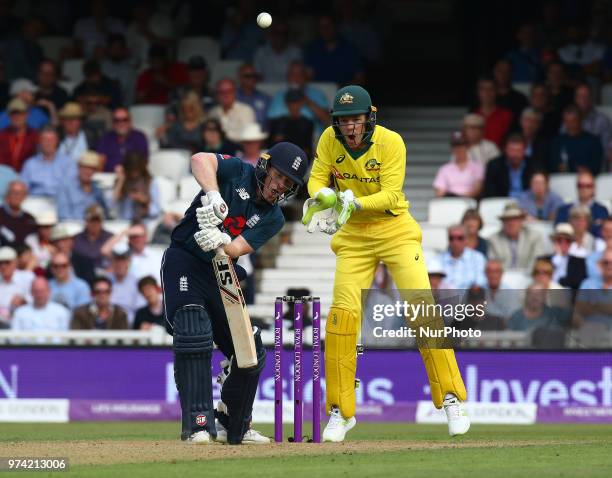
74,140
48,89
163,231
536,146
42,314
46,172
600,246
535,313
214,140
122,140
75,196
539,100
542,275
273,58
480,150
464,267
501,300
594,297
67,289
97,118
135,194
102,313
252,142
125,285
249,94
516,246
15,223
40,240
506,96
575,150
561,94
184,133
472,222
497,119
22,51
36,117
331,58
233,114
17,141
569,270
15,285
580,54
593,120
461,176
109,92
26,261
293,127
152,313
240,36
584,241
7,176
585,188
525,59
88,243
156,82
315,107
508,175
90,33
539,202
198,76
118,67
145,260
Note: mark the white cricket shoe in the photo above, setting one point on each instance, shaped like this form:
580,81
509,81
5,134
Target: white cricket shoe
458,420
199,438
336,428
251,437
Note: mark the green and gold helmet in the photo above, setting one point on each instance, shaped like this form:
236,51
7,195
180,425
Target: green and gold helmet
353,100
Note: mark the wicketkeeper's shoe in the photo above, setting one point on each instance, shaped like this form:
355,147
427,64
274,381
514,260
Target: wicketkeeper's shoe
251,437
458,420
336,428
199,438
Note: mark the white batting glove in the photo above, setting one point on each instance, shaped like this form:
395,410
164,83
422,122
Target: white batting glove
211,238
213,211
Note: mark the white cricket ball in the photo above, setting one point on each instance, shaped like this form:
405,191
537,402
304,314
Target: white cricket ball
264,20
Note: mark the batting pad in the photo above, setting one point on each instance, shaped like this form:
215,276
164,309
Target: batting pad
443,373
340,360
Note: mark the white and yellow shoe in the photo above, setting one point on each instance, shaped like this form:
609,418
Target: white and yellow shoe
251,437
458,420
336,428
199,438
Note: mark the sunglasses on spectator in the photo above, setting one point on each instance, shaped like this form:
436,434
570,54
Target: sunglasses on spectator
538,272
563,239
4,262
121,119
59,264
456,238
101,291
585,185
606,263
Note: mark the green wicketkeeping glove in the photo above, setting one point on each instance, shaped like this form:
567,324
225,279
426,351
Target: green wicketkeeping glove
346,205
324,199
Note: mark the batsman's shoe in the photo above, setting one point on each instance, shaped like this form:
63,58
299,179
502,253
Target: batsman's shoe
336,428
199,438
458,420
251,437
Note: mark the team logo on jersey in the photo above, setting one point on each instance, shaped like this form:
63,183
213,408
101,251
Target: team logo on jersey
346,99
183,284
244,195
234,225
253,220
296,163
340,158
372,165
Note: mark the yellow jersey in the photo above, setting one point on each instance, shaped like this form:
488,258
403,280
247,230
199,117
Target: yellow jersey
376,177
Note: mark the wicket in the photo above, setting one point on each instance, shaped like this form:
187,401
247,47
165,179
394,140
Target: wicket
297,367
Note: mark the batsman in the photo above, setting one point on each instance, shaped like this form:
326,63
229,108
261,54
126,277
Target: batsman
356,194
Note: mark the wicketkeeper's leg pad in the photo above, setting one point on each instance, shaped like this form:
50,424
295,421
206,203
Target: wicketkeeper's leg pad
340,360
443,373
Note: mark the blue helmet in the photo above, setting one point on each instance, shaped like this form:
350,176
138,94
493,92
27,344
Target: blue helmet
288,159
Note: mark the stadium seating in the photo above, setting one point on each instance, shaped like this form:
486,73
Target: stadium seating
147,118
564,184
225,69
72,70
115,226
327,87
104,180
167,191
170,163
516,279
434,237
491,208
188,188
206,47
178,206
603,187
270,89
448,211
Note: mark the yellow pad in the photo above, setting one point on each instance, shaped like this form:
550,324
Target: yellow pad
340,360
443,373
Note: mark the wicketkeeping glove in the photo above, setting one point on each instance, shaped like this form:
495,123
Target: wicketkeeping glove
211,238
346,205
213,211
318,212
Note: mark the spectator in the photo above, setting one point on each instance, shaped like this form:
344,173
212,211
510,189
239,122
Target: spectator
36,116
214,140
584,241
40,241
535,313
539,100
561,95
240,35
293,127
249,94
508,175
480,150
585,187
67,289
170,218
464,267
198,76
152,313
102,313
90,33
331,58
22,51
500,299
581,55
497,119
539,202
536,146
233,114
123,139
7,176
74,197
125,285
568,269
272,59
516,246
74,139
118,67
15,223
184,133
525,59
315,107
48,89
600,246
14,284
42,314
135,194
45,172
507,97
461,176
108,91
26,261
155,83
542,275
593,298
472,222
88,244
17,141
97,118
437,275
593,120
62,240
252,141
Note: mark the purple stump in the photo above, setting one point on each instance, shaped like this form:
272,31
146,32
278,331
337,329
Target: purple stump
316,370
278,376
297,371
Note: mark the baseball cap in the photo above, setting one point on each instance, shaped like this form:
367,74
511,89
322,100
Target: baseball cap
197,62
22,84
17,105
7,254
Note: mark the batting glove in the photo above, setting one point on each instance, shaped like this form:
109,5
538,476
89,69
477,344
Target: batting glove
213,211
211,238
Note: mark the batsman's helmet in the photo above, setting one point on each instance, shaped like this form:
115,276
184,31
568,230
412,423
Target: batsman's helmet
353,100
288,159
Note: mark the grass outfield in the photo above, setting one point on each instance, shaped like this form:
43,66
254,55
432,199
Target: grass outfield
141,449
